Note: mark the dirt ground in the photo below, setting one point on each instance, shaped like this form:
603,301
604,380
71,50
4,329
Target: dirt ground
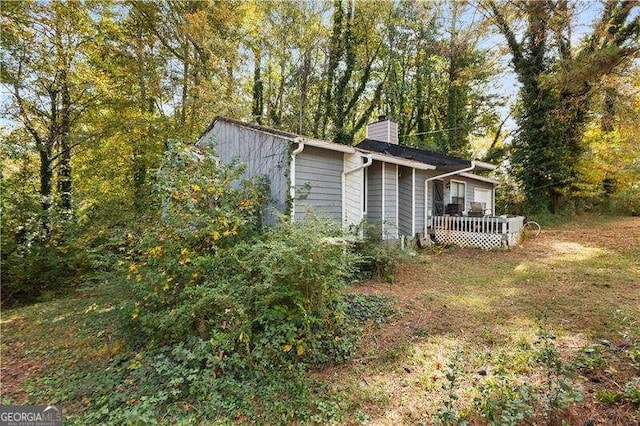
576,280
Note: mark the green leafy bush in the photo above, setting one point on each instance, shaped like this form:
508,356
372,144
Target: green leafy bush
226,317
503,400
369,307
33,263
627,200
379,259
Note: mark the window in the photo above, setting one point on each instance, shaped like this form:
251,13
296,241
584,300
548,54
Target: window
484,196
457,194
365,190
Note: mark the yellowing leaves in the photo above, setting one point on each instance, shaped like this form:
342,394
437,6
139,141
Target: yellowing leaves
246,204
154,252
299,348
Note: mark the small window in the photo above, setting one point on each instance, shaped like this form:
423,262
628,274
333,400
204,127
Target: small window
457,194
365,190
484,196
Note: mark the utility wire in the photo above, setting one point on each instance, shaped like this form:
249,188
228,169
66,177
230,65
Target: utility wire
431,132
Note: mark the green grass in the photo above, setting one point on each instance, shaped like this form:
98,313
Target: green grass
50,347
574,291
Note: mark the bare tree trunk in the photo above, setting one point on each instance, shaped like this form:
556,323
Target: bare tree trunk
304,86
185,83
46,181
257,109
137,156
65,180
452,90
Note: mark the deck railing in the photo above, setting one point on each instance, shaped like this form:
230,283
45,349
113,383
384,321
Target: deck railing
485,231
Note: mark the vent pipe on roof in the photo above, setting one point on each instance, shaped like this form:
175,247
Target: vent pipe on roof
383,130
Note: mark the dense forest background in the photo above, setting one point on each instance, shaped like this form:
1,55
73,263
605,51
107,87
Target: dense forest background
142,288
94,92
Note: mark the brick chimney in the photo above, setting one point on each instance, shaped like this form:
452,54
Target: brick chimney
383,130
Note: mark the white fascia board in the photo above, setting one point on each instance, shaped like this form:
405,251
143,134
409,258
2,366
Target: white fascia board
399,161
329,145
480,178
486,166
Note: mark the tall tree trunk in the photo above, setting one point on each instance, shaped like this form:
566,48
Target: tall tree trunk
336,45
139,164
46,186
257,110
305,71
65,182
608,110
452,141
185,82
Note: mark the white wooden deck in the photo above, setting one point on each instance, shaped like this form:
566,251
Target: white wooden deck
485,232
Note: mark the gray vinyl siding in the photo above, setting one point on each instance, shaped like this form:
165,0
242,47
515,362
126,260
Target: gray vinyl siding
390,201
405,207
374,198
319,184
263,154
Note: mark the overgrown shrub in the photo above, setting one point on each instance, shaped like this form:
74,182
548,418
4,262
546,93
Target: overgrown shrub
35,261
224,311
627,200
379,259
275,301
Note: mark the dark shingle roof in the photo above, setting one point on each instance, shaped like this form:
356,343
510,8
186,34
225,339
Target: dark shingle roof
442,162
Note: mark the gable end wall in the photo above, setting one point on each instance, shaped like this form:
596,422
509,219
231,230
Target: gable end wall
263,154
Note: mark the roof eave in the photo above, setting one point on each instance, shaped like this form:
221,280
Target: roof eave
481,165
480,178
397,160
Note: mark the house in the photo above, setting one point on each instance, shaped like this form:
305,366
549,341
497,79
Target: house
397,191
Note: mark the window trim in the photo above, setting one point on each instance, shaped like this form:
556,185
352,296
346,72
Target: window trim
464,192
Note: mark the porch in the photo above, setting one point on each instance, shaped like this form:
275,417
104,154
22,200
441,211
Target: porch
484,232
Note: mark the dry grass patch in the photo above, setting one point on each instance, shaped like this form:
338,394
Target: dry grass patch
577,284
